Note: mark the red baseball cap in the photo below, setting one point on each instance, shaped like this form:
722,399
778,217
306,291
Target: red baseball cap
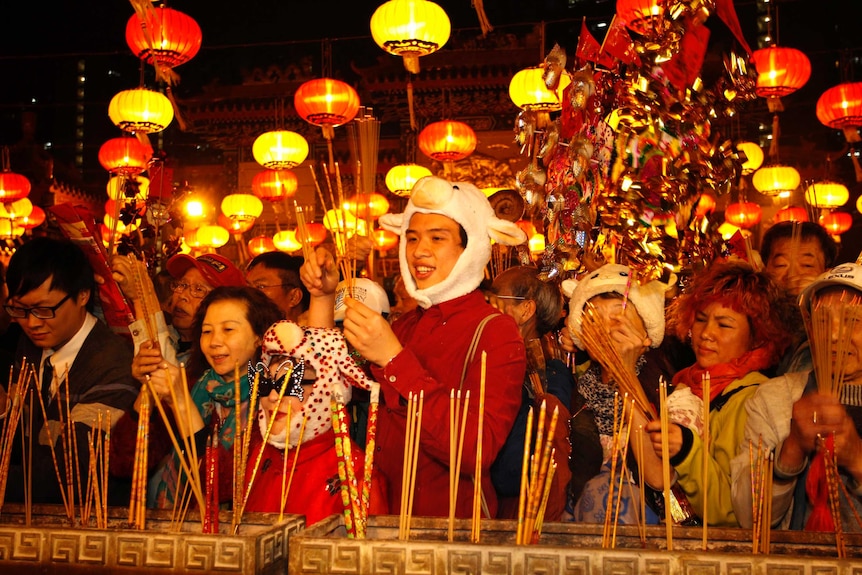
217,270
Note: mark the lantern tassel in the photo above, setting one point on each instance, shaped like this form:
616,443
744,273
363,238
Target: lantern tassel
776,133
177,115
410,105
484,23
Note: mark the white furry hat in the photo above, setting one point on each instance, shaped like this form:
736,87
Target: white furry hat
466,205
326,352
648,299
365,291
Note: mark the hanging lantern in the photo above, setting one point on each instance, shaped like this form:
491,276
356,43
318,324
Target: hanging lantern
400,178
410,29
261,245
234,226
776,180
286,241
316,233
120,187
274,185
35,219
242,207
536,243
528,91
840,107
836,223
141,110
780,71
17,209
11,229
175,37
365,206
124,156
341,219
326,103
211,236
13,186
827,194
705,204
447,141
743,214
753,157
384,240
791,214
280,150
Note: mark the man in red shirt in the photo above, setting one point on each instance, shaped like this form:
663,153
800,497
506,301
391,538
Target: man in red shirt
445,244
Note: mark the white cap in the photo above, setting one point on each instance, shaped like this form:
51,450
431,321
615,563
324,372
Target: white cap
364,291
849,275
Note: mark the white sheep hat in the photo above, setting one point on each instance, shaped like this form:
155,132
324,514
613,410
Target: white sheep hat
648,299
467,205
326,351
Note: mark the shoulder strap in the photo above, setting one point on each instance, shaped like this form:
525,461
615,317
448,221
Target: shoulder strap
722,400
471,351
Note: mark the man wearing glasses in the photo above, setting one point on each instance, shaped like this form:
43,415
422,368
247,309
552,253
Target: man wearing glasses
276,274
82,366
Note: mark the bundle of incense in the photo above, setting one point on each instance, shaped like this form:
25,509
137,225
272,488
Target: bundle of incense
27,448
68,503
457,426
183,418
285,487
535,484
614,452
411,456
246,444
188,464
302,231
370,445
8,425
138,502
832,482
238,444
665,462
147,304
476,530
598,343
830,329
622,459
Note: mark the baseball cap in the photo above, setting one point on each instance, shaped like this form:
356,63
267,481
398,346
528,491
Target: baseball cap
364,291
849,275
217,270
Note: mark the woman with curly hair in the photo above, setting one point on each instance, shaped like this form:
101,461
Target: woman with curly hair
733,316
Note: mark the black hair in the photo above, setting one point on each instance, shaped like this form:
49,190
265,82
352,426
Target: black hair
260,311
523,281
42,258
463,234
808,231
287,267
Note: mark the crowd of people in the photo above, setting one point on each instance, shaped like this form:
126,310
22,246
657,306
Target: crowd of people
277,341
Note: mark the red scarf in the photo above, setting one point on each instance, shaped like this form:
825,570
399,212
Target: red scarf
723,374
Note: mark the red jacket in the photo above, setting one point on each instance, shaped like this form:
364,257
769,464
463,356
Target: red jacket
435,343
314,490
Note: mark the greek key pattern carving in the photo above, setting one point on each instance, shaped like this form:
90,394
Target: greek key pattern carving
141,551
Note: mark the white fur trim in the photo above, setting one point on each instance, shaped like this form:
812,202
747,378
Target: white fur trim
648,299
467,205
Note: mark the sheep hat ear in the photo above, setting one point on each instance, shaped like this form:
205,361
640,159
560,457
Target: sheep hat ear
648,299
467,206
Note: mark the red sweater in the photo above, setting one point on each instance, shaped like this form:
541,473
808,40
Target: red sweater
435,343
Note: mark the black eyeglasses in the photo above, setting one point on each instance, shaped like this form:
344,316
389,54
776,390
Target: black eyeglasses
39,312
195,290
266,384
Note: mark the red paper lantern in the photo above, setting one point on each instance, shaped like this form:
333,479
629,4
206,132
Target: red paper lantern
126,156
261,245
836,223
780,71
367,205
641,16
384,240
705,204
791,214
34,220
234,226
743,214
326,102
316,233
13,186
840,107
274,185
176,37
447,141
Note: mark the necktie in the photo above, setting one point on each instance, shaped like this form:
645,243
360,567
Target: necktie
47,378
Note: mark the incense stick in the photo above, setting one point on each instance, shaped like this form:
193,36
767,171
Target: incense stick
292,467
705,439
665,462
477,476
